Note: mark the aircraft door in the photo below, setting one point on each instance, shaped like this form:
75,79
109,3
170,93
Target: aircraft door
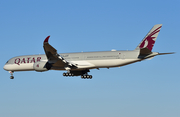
121,56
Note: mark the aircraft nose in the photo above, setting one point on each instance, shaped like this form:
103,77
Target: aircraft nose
6,67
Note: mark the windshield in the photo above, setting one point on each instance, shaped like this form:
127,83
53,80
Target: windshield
7,62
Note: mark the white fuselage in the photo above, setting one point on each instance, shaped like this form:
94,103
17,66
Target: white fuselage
83,60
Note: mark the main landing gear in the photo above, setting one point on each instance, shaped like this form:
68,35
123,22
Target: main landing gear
86,76
83,76
68,74
11,72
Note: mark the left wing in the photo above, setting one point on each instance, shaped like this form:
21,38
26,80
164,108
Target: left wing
56,60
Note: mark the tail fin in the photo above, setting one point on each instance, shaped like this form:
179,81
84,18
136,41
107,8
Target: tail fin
147,43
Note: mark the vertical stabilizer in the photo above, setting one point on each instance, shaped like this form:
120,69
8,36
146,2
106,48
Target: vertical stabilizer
148,42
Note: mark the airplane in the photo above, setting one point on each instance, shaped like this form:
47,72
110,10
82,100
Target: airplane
79,64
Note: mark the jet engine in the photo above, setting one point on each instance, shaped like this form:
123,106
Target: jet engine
41,66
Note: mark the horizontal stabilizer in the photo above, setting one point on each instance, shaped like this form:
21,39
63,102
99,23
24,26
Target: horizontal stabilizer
166,53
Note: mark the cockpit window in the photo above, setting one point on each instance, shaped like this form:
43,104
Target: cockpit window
7,62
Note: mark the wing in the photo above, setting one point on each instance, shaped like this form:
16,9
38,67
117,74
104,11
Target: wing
56,60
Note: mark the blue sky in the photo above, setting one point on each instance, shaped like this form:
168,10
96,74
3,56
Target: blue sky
145,89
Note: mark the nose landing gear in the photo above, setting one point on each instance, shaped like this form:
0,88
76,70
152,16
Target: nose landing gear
11,72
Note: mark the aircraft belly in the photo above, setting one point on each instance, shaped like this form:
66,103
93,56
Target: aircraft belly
22,67
90,64
83,64
111,63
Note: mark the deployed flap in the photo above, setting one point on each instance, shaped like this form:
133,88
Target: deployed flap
53,57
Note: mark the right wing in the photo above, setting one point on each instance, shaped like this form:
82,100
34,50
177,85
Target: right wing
56,60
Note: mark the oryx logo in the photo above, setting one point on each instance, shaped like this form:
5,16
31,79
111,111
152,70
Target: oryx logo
145,43
149,40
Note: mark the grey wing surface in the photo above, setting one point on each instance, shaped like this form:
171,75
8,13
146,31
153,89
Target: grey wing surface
53,57
57,62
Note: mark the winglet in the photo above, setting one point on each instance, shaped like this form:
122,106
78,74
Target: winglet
46,40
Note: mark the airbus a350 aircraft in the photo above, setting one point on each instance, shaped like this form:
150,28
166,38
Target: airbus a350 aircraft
79,64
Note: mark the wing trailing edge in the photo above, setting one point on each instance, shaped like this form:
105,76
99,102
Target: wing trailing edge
54,58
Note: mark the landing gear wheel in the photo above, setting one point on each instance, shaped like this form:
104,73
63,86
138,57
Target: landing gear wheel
64,74
86,77
11,77
11,72
68,74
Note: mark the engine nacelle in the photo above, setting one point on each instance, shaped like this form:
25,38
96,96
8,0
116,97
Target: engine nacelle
41,66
